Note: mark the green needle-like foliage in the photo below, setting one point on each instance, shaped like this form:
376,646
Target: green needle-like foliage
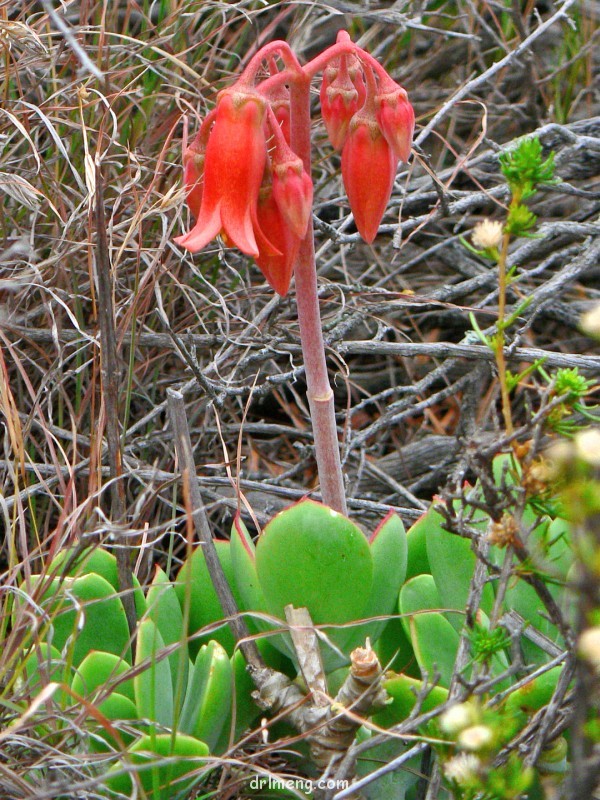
525,168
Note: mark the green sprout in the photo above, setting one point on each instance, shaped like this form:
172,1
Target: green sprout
520,220
525,168
569,382
486,643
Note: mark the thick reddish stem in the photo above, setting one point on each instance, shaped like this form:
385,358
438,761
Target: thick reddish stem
320,395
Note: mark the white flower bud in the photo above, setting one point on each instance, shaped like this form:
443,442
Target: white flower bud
475,738
587,446
589,646
462,768
590,322
457,717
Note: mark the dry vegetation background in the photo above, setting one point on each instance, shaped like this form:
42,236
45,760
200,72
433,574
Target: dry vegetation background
121,85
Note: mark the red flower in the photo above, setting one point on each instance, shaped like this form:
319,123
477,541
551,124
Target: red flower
233,170
277,254
293,192
368,170
396,119
342,95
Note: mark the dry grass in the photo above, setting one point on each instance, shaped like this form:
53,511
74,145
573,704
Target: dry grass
114,100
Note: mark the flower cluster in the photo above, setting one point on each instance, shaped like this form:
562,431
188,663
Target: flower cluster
245,182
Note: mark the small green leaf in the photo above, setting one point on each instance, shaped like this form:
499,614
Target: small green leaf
87,612
207,706
165,610
100,670
193,585
152,686
183,755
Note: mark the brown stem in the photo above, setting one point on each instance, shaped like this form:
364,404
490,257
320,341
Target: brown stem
110,373
499,350
183,447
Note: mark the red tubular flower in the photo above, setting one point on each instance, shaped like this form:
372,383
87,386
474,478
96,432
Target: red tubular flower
277,265
396,119
368,170
233,169
342,95
293,192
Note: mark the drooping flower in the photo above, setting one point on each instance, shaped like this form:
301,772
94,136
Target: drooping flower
342,95
396,119
234,165
292,186
277,254
368,170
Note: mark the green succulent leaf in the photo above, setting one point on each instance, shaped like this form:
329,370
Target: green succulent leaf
534,694
87,612
165,610
389,553
43,665
207,706
313,557
117,709
452,562
100,670
416,540
394,649
99,561
195,591
152,686
183,755
433,639
243,561
403,691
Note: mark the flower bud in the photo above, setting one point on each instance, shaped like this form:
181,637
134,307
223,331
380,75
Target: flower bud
368,170
590,322
277,254
475,738
456,718
587,446
342,95
293,193
463,768
396,119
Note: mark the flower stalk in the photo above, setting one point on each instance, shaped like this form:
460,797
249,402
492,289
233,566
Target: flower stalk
248,180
